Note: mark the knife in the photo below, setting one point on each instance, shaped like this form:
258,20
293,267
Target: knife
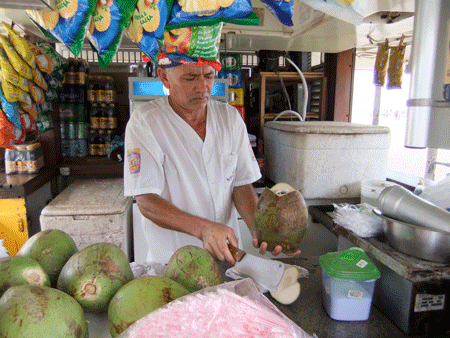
266,272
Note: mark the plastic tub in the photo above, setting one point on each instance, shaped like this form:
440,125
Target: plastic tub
348,282
371,189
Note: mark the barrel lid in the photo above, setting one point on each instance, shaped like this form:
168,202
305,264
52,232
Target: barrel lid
350,264
90,197
326,127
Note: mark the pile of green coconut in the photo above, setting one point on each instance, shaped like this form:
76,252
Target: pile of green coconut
49,285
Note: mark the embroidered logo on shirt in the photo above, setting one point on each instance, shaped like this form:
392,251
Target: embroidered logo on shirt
134,160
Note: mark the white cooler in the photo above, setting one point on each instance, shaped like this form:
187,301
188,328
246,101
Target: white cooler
325,160
92,211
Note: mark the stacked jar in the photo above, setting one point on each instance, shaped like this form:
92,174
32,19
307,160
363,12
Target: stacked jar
103,120
72,109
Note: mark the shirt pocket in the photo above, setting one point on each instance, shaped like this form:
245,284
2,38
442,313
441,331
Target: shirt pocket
229,166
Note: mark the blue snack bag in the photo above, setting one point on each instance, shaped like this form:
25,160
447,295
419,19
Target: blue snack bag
147,25
281,9
67,23
109,19
234,78
187,13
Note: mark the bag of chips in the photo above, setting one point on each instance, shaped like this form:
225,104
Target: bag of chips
147,25
9,133
17,62
187,13
43,61
109,19
31,109
37,94
194,42
11,110
381,64
67,23
38,78
395,68
10,75
59,62
21,46
13,93
283,10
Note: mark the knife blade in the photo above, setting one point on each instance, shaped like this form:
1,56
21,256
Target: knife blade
266,272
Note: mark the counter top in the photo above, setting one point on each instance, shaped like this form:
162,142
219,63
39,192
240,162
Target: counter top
21,185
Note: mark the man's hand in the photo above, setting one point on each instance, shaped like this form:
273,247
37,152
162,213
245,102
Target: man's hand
263,248
215,238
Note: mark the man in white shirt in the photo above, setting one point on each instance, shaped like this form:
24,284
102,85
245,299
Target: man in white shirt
189,163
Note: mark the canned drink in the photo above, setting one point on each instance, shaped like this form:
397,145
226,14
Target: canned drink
64,134
82,130
71,131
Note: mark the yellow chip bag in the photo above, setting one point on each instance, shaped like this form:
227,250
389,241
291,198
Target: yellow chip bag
18,63
39,79
44,62
13,93
29,108
381,64
12,76
21,46
36,92
395,69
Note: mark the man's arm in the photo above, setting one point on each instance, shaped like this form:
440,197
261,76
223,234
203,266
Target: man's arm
245,200
213,235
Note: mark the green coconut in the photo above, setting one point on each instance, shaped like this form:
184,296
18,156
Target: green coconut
94,274
17,270
40,311
194,268
51,249
281,218
138,298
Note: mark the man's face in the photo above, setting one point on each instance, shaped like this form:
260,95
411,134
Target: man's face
190,86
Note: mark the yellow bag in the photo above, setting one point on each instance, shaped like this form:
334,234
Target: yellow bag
395,70
19,65
43,60
38,78
381,64
21,46
13,93
36,92
12,76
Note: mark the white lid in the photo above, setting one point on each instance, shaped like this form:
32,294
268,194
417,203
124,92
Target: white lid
326,127
89,197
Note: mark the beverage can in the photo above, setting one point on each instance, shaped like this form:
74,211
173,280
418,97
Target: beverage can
82,129
71,131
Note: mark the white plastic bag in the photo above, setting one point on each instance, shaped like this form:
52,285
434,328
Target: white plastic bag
438,194
359,219
3,251
351,11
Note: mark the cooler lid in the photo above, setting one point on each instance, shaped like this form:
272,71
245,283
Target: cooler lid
90,197
351,264
326,127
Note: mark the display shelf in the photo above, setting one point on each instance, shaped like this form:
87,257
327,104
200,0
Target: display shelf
91,165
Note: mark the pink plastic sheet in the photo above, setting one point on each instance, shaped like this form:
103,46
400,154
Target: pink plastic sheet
234,309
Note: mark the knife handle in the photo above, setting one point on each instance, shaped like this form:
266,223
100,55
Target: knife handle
237,253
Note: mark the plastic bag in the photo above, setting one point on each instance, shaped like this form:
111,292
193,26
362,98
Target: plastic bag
105,32
19,65
233,309
351,11
381,64
281,9
67,23
438,194
187,13
395,68
147,25
21,46
359,219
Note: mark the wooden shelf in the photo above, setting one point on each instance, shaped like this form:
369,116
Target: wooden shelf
317,95
91,165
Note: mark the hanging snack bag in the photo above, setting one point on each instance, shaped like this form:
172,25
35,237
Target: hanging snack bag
381,64
21,46
67,23
17,62
38,78
147,24
43,61
13,93
36,92
283,10
11,110
234,78
59,62
109,19
395,68
10,74
52,80
27,121
186,13
9,133
194,42
31,108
